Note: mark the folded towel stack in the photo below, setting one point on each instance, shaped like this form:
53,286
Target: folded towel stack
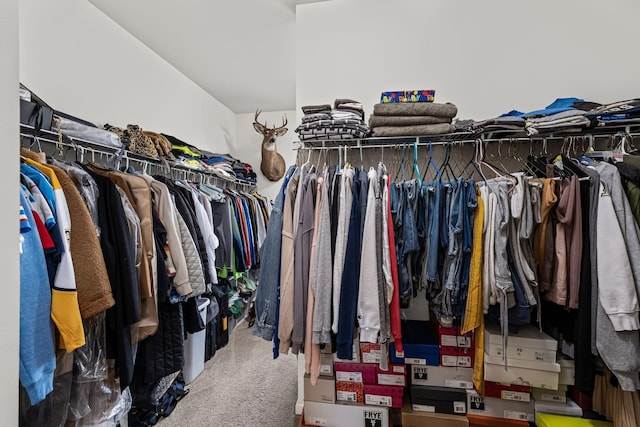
344,121
412,119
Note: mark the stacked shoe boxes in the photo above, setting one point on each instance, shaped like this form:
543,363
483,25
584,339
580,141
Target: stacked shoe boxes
558,402
324,391
437,392
338,398
456,349
374,382
511,374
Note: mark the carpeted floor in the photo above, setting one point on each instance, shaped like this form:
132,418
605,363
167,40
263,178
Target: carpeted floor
241,386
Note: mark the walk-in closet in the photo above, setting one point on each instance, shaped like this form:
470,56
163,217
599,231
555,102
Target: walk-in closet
338,213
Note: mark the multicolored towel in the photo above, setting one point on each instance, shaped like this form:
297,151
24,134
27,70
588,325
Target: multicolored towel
408,96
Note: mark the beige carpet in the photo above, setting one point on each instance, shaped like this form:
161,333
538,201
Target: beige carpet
241,386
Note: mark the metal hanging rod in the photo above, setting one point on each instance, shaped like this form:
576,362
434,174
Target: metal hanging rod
123,156
462,138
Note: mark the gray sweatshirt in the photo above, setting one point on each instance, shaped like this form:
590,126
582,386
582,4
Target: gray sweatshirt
323,275
368,291
619,349
610,176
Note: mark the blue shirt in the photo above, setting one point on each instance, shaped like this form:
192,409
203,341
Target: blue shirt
37,353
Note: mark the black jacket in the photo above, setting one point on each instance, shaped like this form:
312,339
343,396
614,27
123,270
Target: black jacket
119,256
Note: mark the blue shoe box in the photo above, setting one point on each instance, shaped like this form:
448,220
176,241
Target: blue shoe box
419,345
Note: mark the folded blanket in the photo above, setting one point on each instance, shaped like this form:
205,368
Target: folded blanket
92,134
377,121
308,118
342,123
311,109
438,129
347,110
416,109
347,114
332,133
534,128
338,103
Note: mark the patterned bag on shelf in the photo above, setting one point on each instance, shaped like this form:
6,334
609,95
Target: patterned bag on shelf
137,142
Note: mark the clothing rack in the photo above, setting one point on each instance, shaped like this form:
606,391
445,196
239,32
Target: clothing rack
456,138
579,144
120,157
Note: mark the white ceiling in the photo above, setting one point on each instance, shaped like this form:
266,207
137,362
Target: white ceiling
242,52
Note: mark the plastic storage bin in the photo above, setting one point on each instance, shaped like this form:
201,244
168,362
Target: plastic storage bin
194,347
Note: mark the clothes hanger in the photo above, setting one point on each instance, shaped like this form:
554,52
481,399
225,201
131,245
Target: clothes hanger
445,166
520,159
401,168
36,140
80,151
482,162
432,163
474,161
415,165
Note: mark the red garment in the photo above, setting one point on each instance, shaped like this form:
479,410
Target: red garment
45,237
394,308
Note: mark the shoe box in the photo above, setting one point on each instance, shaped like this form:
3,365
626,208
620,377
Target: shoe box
442,376
499,408
419,345
345,415
411,418
443,400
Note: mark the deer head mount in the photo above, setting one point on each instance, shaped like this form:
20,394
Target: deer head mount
272,164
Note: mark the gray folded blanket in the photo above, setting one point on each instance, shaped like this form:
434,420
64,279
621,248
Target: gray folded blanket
415,109
420,130
377,121
313,109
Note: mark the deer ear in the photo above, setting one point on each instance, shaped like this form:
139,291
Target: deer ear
259,127
281,131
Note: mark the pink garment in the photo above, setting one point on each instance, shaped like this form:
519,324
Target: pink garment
394,308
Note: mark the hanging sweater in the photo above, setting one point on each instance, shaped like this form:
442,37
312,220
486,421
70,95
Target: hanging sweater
302,258
350,280
312,351
168,216
368,291
37,356
323,274
65,311
285,317
345,202
610,176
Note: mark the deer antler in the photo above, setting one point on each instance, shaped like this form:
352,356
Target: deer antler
284,122
256,118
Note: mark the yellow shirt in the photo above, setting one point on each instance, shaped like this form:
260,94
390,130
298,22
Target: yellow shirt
473,319
65,311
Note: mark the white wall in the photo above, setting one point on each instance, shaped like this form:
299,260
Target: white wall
9,253
81,62
247,146
487,57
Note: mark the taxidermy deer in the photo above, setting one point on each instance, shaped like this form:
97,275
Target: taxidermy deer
272,165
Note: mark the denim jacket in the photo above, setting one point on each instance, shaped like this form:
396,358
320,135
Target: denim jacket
267,294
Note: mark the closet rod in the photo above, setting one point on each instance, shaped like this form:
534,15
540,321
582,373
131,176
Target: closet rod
128,156
378,142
